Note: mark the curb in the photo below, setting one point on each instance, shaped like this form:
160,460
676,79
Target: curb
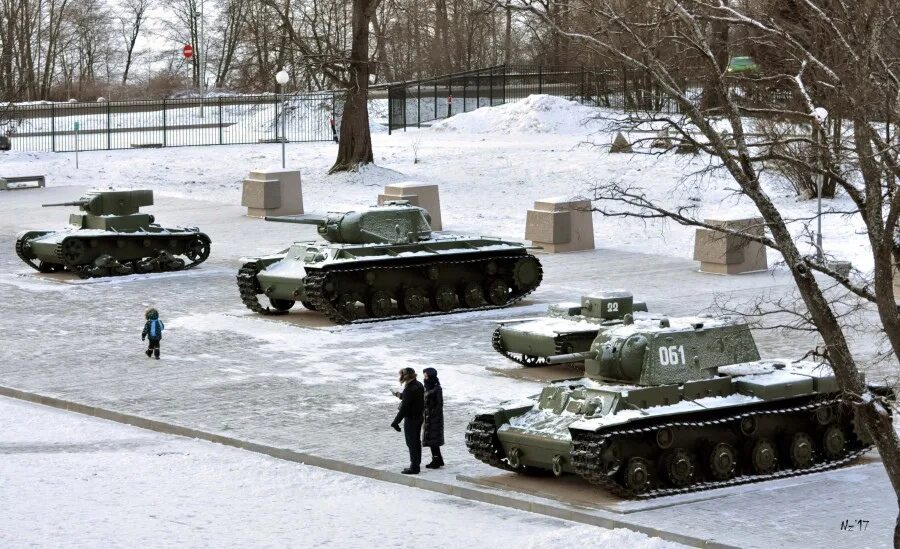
559,512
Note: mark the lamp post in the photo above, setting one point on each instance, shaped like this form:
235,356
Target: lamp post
282,79
821,115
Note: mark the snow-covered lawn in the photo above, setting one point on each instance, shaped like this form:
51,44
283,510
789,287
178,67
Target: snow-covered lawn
491,164
73,481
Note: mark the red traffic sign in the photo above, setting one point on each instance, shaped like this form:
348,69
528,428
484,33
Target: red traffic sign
188,51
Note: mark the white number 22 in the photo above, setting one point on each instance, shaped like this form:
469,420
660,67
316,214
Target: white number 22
612,307
672,355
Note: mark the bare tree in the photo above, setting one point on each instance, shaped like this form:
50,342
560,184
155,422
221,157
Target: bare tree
850,61
131,21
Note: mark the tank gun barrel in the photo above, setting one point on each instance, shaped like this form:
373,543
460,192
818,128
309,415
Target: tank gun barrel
571,357
73,203
304,219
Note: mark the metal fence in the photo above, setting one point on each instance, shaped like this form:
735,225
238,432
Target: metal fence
223,120
423,101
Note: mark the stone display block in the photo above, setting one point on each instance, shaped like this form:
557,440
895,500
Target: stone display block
273,192
560,224
722,253
423,195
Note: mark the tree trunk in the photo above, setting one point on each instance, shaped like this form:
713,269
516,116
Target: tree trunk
711,98
355,146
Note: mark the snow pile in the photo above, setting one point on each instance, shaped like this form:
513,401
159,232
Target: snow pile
536,114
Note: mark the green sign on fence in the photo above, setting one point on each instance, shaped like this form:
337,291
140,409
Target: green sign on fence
77,126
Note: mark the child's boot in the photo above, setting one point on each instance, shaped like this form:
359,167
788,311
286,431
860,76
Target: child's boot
149,353
156,353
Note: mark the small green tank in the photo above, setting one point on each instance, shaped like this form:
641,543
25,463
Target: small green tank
111,237
567,328
676,405
387,259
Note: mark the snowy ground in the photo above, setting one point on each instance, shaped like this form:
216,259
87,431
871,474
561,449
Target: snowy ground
94,483
326,392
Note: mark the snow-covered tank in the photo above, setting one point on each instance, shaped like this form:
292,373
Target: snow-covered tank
674,405
386,261
567,328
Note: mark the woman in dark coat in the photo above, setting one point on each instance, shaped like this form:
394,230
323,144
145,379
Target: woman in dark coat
433,430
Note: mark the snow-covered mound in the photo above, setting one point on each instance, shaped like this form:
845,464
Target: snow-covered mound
536,114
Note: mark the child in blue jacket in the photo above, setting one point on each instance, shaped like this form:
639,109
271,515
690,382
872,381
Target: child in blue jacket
153,329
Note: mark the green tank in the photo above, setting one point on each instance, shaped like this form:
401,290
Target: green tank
567,327
112,237
384,262
676,405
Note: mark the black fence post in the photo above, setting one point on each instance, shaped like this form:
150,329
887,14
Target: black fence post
583,102
491,88
221,136
53,127
390,113
624,88
540,80
165,130
504,85
108,126
419,105
276,119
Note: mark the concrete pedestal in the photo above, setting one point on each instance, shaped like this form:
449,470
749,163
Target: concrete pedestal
560,224
273,192
423,195
722,253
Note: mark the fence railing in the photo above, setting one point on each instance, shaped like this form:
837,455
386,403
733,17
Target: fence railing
223,120
424,101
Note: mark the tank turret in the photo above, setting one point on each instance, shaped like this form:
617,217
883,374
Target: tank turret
655,352
396,222
111,202
110,236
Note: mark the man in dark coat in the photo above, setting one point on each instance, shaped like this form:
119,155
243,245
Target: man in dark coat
433,430
412,408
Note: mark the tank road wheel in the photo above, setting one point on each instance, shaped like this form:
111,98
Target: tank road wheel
749,425
636,476
282,305
801,450
445,298
197,250
497,292
763,457
346,306
665,437
722,461
146,265
679,466
527,272
473,295
414,301
308,305
833,442
379,304
73,251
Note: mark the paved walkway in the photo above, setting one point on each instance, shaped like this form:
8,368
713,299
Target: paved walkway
326,391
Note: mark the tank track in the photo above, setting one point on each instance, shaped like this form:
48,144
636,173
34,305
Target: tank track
86,271
249,288
482,442
315,282
20,251
525,360
587,448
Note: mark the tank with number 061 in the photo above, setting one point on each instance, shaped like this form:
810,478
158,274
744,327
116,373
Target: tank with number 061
674,405
384,262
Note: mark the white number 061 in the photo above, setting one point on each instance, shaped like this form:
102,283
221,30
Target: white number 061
672,355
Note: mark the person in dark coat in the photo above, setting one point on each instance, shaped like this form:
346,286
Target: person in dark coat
153,329
411,412
433,429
